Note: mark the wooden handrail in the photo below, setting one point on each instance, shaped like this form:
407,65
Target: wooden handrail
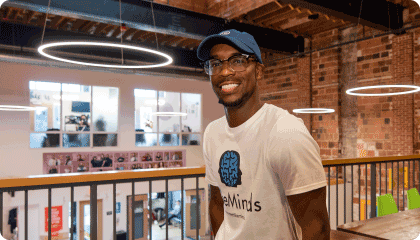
48,179
326,163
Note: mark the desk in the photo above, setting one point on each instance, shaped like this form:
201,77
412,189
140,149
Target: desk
401,225
339,235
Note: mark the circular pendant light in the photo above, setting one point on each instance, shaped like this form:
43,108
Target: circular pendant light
313,110
81,43
16,108
2,1
351,91
43,46
170,114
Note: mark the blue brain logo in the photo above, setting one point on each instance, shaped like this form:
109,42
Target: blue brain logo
229,171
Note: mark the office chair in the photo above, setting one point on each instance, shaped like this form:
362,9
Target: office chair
413,199
386,205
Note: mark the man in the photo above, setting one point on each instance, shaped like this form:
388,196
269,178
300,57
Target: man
173,213
266,175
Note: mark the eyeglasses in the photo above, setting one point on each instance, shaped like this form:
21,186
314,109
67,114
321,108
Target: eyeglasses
237,63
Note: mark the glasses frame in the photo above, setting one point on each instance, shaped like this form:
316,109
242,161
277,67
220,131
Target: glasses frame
247,56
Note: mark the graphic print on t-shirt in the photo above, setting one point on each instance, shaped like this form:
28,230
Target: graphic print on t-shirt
229,171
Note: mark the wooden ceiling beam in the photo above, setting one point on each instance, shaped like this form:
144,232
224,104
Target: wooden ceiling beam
41,20
99,28
279,17
63,24
76,25
263,11
55,21
87,27
28,16
137,35
274,15
128,33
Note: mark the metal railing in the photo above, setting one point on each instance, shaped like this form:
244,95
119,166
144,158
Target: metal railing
373,169
93,180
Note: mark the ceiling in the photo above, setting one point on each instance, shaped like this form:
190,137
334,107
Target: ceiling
179,31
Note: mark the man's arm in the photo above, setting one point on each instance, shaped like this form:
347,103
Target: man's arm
216,209
310,211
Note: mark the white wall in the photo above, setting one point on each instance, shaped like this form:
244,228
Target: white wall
18,159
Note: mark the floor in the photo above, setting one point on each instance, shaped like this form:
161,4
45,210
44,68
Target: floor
174,233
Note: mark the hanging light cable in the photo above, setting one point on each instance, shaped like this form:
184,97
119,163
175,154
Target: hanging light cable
351,91
101,44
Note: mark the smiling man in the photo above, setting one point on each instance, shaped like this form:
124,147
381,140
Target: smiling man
266,175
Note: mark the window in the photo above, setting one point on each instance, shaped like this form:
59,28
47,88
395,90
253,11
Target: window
73,115
152,130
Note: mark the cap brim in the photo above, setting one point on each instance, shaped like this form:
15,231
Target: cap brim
203,51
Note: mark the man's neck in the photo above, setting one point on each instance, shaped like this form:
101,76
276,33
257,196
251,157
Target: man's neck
237,116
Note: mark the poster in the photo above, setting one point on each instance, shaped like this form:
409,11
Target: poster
56,220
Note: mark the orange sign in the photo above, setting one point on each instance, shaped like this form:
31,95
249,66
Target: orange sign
56,219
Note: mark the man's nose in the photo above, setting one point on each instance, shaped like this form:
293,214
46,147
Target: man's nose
226,69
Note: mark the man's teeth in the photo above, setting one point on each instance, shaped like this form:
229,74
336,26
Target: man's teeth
230,86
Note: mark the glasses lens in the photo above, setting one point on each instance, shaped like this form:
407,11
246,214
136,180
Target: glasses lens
212,66
238,63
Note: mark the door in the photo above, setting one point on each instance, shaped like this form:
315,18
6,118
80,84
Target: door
84,216
33,219
141,220
191,221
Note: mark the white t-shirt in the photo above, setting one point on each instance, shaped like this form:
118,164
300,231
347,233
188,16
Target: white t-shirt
256,165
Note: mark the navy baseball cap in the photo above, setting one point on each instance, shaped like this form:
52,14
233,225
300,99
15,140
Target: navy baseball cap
242,40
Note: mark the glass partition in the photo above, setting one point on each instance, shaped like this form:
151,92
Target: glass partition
105,109
46,97
191,105
171,103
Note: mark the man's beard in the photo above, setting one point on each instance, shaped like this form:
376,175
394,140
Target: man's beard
238,103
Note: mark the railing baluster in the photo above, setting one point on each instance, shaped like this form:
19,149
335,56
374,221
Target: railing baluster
336,195
373,190
1,212
133,196
392,180
403,197
114,209
352,196
345,183
418,185
197,201
329,196
359,192
398,186
26,214
182,208
366,191
49,213
380,179
150,210
386,178
93,212
166,208
72,212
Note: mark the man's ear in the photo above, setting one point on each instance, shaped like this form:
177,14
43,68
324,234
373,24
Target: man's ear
259,71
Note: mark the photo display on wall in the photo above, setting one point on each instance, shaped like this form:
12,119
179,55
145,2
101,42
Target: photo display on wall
68,162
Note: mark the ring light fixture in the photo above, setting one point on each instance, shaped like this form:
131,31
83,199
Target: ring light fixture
170,114
313,110
48,45
16,108
350,91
